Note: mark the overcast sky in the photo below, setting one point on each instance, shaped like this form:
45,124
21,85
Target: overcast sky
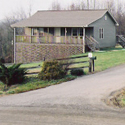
9,6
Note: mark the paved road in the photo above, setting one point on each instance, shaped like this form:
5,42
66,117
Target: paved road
78,102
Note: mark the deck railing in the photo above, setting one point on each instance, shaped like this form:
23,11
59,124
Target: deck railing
50,39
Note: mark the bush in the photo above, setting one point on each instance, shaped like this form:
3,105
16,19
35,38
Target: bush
2,60
77,72
52,70
12,75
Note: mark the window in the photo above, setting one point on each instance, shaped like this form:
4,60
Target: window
45,30
51,31
34,31
69,31
41,31
62,31
105,17
81,31
101,33
74,32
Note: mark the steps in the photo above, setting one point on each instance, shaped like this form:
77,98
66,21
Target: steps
92,43
121,40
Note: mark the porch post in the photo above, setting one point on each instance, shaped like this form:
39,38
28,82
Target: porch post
84,39
31,35
48,35
65,34
14,45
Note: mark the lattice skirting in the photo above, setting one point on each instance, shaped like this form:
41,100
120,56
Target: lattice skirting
26,53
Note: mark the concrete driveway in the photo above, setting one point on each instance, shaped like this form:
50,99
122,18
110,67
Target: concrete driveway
74,102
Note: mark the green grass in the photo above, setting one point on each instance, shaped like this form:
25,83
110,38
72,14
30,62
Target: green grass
109,59
105,59
28,65
32,83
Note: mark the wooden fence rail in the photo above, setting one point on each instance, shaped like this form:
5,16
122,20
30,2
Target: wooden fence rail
90,62
70,61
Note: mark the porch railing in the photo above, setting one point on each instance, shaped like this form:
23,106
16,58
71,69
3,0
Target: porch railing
50,39
92,43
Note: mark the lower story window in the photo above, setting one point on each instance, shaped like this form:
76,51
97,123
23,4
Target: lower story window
101,33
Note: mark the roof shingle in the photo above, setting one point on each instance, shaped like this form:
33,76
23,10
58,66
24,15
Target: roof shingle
63,18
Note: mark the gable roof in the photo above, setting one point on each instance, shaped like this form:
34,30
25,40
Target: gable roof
62,18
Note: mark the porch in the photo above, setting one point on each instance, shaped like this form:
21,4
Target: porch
51,35
50,39
34,44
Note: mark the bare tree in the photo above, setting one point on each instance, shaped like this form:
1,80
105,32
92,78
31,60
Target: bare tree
6,33
55,6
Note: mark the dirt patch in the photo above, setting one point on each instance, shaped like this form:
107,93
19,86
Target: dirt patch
115,98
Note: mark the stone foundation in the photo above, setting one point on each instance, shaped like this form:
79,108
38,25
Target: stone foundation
31,52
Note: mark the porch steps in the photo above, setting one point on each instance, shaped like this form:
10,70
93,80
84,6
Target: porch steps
121,40
92,43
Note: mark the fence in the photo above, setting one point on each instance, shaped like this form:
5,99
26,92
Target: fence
84,60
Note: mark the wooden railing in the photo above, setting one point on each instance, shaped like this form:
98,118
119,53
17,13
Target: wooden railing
92,43
50,39
121,40
23,38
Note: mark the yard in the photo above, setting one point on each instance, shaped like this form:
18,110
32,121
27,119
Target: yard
105,59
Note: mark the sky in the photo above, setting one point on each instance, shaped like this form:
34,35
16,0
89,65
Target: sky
7,7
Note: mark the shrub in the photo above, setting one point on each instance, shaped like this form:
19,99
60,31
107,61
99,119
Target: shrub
12,75
52,70
77,72
2,60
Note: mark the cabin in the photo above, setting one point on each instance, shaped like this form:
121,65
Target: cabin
62,33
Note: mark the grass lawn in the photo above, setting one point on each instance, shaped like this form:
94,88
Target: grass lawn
32,83
35,64
108,59
105,59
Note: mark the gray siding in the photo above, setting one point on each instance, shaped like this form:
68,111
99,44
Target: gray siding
89,31
109,27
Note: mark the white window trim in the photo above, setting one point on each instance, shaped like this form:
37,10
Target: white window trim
101,33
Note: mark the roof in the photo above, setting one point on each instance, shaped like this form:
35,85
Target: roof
62,18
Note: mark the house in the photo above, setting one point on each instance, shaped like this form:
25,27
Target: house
54,34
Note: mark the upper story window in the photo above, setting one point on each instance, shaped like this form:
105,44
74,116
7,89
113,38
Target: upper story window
101,33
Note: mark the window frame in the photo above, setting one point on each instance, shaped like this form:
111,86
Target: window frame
101,33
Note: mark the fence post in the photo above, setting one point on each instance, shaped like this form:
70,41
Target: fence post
90,65
93,65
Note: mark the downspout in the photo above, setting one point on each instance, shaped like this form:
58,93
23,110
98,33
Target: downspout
14,45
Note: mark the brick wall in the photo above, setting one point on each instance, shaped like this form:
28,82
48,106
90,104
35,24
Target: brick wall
31,52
